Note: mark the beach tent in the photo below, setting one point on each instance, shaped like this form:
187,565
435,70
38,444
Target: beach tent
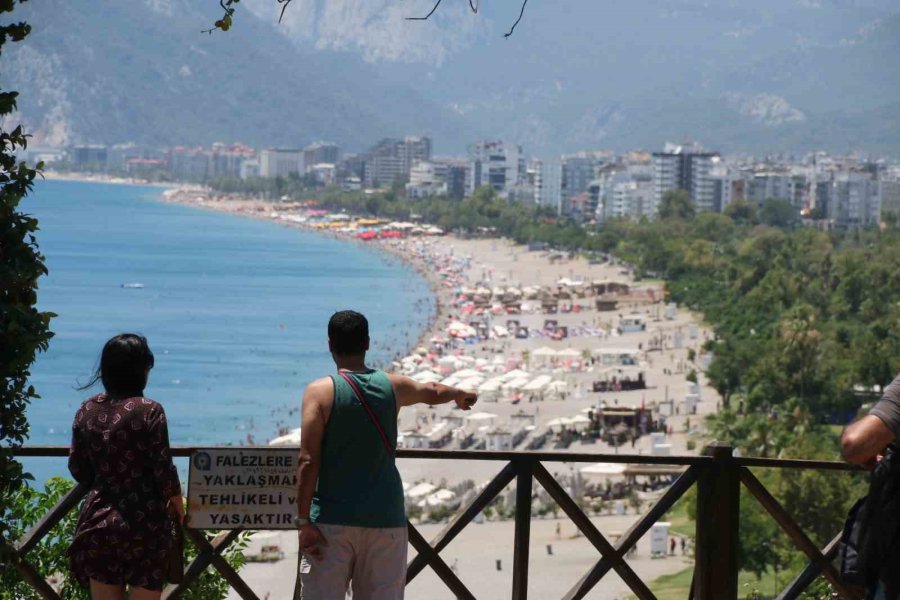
544,352
427,376
603,469
421,489
557,386
466,374
438,498
569,353
558,423
537,384
579,422
515,374
481,416
516,384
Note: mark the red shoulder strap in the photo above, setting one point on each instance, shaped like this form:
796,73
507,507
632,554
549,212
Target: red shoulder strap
368,409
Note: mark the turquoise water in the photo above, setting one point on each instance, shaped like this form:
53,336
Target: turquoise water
235,309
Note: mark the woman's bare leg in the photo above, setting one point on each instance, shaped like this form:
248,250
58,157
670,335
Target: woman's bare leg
106,591
137,593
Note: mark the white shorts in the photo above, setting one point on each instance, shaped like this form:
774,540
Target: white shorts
370,560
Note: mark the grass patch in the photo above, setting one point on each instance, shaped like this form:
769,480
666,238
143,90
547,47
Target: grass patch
676,586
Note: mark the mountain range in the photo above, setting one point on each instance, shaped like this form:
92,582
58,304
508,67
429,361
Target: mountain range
760,76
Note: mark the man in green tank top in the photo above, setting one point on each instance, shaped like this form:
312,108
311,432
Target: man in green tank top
350,509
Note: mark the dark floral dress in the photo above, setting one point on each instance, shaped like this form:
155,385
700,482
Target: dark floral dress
120,449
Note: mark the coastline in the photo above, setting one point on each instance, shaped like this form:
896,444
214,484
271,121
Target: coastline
108,179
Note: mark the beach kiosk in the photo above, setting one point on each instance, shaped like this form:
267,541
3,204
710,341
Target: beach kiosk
659,538
632,323
499,440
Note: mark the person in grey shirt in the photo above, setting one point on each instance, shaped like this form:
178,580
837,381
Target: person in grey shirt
864,440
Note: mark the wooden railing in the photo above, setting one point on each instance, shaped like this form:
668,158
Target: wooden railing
717,473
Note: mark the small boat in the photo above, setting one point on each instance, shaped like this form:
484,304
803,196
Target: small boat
133,286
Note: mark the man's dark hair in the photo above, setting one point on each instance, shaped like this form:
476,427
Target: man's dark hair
349,332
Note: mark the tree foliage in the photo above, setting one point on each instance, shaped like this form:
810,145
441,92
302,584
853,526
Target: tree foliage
23,329
50,557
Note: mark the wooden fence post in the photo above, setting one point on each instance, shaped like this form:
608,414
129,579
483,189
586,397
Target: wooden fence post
523,529
718,509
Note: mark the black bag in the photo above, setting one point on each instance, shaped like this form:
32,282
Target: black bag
174,567
851,537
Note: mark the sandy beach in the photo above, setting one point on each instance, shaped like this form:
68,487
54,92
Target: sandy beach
597,345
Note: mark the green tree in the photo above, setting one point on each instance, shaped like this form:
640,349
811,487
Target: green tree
676,204
24,330
778,213
741,211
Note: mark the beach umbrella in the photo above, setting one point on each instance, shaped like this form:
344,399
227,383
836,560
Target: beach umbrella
427,376
537,383
557,386
559,422
491,385
516,384
421,489
515,374
466,373
544,352
569,353
481,416
579,422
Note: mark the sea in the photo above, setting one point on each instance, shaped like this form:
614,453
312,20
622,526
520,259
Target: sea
234,309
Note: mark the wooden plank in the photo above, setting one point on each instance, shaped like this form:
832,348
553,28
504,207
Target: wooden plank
522,542
221,565
718,504
797,463
794,532
635,532
463,518
438,565
36,580
49,520
584,524
29,574
200,562
809,574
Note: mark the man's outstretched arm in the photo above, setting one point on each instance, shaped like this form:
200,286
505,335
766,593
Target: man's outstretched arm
409,391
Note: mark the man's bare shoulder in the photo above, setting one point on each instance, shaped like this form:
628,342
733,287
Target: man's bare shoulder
321,389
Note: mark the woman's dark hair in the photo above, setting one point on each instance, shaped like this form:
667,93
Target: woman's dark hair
349,333
123,366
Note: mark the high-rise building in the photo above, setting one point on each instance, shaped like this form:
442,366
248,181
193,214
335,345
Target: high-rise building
281,162
548,184
392,159
578,171
850,199
764,185
321,153
497,164
684,168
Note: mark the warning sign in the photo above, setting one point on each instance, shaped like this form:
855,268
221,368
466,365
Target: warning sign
242,488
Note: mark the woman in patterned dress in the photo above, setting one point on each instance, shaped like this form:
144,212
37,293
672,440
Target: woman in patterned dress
120,450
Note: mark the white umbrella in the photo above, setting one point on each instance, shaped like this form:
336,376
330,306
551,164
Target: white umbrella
491,385
579,421
536,384
421,489
557,386
427,377
466,373
515,374
558,422
516,384
544,351
569,353
481,416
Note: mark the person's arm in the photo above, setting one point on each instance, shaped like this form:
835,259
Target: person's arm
79,461
409,391
317,402
164,471
865,439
